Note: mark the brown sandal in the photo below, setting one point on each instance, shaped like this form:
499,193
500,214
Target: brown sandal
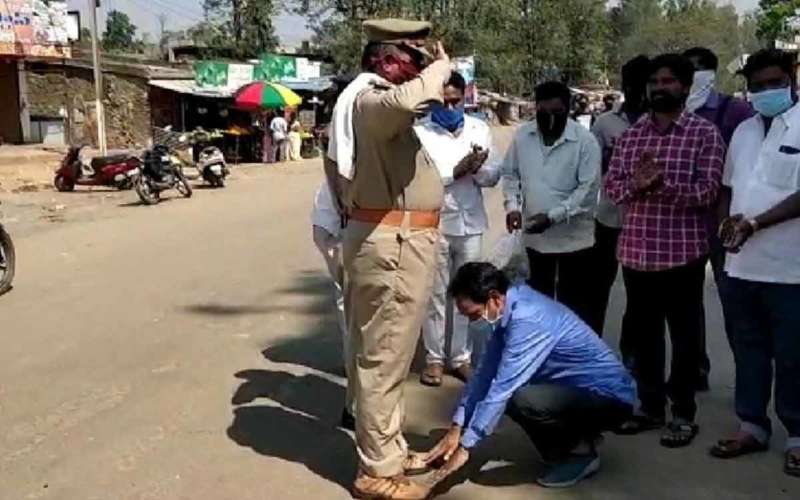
415,465
791,464
432,375
739,446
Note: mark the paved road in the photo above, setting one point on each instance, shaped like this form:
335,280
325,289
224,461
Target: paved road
188,351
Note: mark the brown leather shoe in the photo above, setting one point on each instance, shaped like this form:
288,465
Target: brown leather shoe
388,488
415,464
463,372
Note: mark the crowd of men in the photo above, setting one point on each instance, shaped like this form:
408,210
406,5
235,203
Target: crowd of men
676,176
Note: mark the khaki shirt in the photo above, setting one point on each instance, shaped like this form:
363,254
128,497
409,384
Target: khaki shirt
391,169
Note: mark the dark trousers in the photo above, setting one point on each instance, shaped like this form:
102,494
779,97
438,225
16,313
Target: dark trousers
717,259
765,330
564,277
674,296
558,417
606,267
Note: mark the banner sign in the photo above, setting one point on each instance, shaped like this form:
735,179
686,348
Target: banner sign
269,69
466,67
34,28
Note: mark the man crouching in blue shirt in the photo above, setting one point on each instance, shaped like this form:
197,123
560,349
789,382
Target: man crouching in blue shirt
542,366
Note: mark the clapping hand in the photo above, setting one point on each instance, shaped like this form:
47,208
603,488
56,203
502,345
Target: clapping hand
647,174
471,163
734,231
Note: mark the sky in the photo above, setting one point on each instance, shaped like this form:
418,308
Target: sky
183,13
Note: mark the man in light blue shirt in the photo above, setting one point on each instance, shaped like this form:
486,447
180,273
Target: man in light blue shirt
542,366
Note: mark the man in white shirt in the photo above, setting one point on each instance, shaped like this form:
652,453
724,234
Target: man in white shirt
458,145
762,236
280,138
326,224
551,176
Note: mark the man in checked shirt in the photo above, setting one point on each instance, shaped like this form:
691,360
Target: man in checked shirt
666,171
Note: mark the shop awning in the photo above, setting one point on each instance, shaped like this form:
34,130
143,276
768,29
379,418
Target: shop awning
190,87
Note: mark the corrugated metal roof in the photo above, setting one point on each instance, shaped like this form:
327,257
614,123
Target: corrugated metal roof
190,87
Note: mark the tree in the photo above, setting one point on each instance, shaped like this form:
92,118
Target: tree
120,31
241,28
772,16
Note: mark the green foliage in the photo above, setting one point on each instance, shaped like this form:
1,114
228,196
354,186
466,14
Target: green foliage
238,28
772,17
120,32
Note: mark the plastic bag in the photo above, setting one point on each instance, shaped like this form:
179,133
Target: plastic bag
509,255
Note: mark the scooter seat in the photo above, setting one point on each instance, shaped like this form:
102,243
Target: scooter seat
102,161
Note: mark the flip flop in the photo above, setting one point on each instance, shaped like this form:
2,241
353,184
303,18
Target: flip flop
679,434
737,447
432,375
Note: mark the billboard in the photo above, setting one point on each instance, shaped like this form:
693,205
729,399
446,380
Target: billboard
466,67
271,68
34,28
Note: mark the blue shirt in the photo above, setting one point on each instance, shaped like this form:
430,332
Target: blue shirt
538,341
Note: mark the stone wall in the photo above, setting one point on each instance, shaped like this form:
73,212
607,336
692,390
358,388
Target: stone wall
53,91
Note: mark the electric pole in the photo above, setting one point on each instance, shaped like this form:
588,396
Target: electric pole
98,81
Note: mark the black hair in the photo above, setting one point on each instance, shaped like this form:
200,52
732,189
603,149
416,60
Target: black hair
681,67
707,59
766,58
457,81
475,280
635,72
374,52
553,90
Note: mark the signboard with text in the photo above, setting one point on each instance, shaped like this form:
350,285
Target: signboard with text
34,28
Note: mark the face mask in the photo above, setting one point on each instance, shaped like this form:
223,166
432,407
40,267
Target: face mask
701,89
771,103
664,102
450,119
551,124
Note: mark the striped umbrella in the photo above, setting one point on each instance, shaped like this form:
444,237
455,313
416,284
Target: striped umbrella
263,95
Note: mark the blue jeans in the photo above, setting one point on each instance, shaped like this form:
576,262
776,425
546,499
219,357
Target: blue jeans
764,319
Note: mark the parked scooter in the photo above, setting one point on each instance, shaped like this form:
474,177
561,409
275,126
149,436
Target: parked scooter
7,261
212,167
160,171
116,171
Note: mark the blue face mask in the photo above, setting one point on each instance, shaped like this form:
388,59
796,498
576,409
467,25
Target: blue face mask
771,103
450,119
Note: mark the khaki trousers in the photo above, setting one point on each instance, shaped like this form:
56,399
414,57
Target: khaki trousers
388,284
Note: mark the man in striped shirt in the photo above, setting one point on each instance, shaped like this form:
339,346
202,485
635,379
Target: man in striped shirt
666,172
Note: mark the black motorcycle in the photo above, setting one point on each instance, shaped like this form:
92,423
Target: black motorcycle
161,170
7,261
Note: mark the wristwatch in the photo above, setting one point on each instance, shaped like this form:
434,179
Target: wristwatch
753,224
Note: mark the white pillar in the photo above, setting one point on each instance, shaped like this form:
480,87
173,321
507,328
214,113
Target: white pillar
24,103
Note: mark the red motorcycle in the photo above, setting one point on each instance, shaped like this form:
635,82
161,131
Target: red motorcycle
117,171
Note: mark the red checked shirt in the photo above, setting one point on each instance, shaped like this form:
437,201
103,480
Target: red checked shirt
667,228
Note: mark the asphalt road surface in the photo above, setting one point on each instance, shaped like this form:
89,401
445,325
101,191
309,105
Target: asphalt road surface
189,351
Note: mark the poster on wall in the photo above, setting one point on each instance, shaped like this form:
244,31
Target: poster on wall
466,67
210,74
34,28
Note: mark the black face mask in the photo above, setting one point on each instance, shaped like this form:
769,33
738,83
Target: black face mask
551,124
664,102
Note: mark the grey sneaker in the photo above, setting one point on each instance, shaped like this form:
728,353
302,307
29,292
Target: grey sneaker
570,472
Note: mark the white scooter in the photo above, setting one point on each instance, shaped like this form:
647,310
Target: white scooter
212,166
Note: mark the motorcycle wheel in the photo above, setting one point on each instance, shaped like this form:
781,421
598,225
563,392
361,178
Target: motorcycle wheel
147,194
7,261
219,182
63,184
183,185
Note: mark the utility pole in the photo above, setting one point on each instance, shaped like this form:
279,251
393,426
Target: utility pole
98,82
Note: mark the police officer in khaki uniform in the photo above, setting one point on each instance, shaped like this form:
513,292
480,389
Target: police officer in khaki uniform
392,201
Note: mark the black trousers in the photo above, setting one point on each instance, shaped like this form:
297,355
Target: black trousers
674,296
717,259
564,277
558,417
606,267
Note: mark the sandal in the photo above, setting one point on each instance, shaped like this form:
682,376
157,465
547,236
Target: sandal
791,464
638,424
743,444
679,433
432,375
415,465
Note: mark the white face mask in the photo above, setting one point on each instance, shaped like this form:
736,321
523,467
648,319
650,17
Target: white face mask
701,89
